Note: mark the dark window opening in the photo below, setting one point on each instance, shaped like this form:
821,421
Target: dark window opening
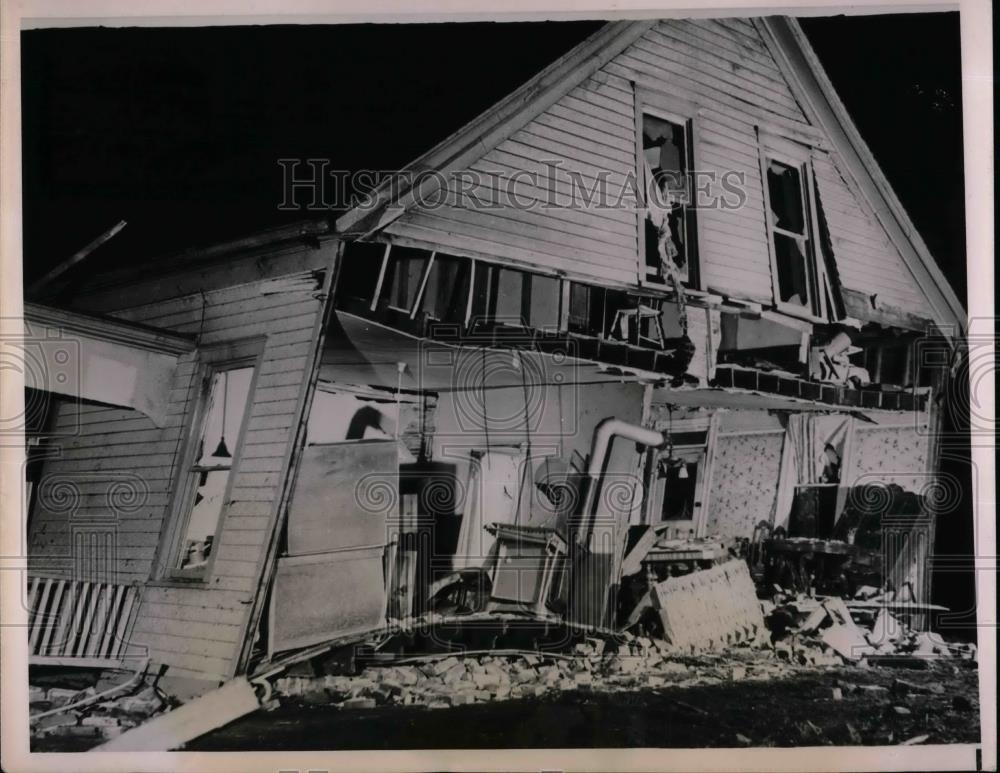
403,276
784,184
359,270
445,293
793,279
895,365
679,479
507,296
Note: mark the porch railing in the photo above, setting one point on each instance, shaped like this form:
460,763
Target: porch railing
77,622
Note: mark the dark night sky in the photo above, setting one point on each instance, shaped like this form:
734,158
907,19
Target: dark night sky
178,131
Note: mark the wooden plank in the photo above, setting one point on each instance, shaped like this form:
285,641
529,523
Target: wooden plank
38,621
54,618
114,615
220,614
195,718
183,644
65,616
122,629
607,123
190,630
88,606
33,586
498,251
68,662
717,70
100,614
531,241
575,145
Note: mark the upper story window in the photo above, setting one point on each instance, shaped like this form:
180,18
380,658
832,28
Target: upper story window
799,247
226,387
668,244
791,237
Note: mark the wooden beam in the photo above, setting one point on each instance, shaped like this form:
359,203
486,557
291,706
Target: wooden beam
169,731
860,305
109,329
75,258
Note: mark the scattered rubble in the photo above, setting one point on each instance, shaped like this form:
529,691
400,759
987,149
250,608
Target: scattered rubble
636,662
100,719
829,631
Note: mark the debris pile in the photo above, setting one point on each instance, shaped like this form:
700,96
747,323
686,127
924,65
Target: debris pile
831,630
80,713
710,609
628,663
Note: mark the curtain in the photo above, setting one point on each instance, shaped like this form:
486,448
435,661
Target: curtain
813,452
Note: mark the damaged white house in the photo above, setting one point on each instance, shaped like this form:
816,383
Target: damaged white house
301,437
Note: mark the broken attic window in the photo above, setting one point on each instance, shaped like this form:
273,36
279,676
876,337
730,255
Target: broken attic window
403,276
790,235
446,289
507,296
889,363
665,150
606,313
359,270
226,407
581,310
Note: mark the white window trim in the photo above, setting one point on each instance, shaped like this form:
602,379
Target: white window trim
798,157
815,311
235,354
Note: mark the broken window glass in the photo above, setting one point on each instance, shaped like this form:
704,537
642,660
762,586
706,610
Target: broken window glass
405,272
790,235
446,290
665,149
793,281
784,185
228,393
579,308
543,311
510,297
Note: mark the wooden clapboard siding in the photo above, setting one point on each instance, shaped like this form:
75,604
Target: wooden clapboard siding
589,131
196,630
721,73
866,260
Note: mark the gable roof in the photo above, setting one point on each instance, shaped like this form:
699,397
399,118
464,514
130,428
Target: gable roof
811,88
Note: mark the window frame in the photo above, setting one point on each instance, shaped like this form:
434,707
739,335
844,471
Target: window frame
696,453
647,103
798,157
211,360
